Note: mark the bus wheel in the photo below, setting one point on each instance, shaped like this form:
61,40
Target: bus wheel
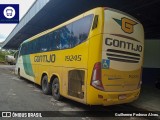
55,89
46,87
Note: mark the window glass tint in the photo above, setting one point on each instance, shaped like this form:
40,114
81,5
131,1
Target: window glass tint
44,45
34,46
23,49
26,48
57,40
80,30
50,41
63,38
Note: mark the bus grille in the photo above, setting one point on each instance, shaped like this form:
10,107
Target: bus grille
123,56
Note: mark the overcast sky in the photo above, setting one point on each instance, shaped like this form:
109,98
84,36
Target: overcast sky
24,5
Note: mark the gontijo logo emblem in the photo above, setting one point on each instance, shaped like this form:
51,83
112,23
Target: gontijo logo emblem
9,13
127,25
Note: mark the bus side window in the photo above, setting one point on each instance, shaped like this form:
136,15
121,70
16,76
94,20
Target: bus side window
44,43
80,30
50,41
29,48
57,40
34,46
95,22
23,49
39,45
65,33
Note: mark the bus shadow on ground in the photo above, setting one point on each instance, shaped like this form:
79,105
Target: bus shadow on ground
98,111
123,107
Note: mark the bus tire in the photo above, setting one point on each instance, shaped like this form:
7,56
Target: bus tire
46,87
55,89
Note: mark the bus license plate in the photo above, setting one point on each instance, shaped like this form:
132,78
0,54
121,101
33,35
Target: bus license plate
122,97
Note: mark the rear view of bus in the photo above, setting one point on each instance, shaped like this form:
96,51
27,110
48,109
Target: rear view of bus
116,79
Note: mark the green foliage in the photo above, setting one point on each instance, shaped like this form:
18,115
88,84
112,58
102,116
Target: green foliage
2,56
5,52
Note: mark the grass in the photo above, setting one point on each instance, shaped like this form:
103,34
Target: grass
2,57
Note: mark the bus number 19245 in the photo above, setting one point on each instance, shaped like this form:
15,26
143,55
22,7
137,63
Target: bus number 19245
73,58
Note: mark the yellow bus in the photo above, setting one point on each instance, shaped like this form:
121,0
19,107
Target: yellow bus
95,58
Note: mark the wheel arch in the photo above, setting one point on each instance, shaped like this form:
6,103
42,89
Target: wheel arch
53,76
43,74
50,78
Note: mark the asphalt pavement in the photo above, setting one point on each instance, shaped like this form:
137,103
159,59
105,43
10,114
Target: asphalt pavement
22,95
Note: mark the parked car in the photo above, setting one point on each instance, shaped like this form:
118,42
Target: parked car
10,59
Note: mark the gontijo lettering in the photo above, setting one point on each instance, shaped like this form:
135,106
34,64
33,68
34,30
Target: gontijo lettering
123,44
45,58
